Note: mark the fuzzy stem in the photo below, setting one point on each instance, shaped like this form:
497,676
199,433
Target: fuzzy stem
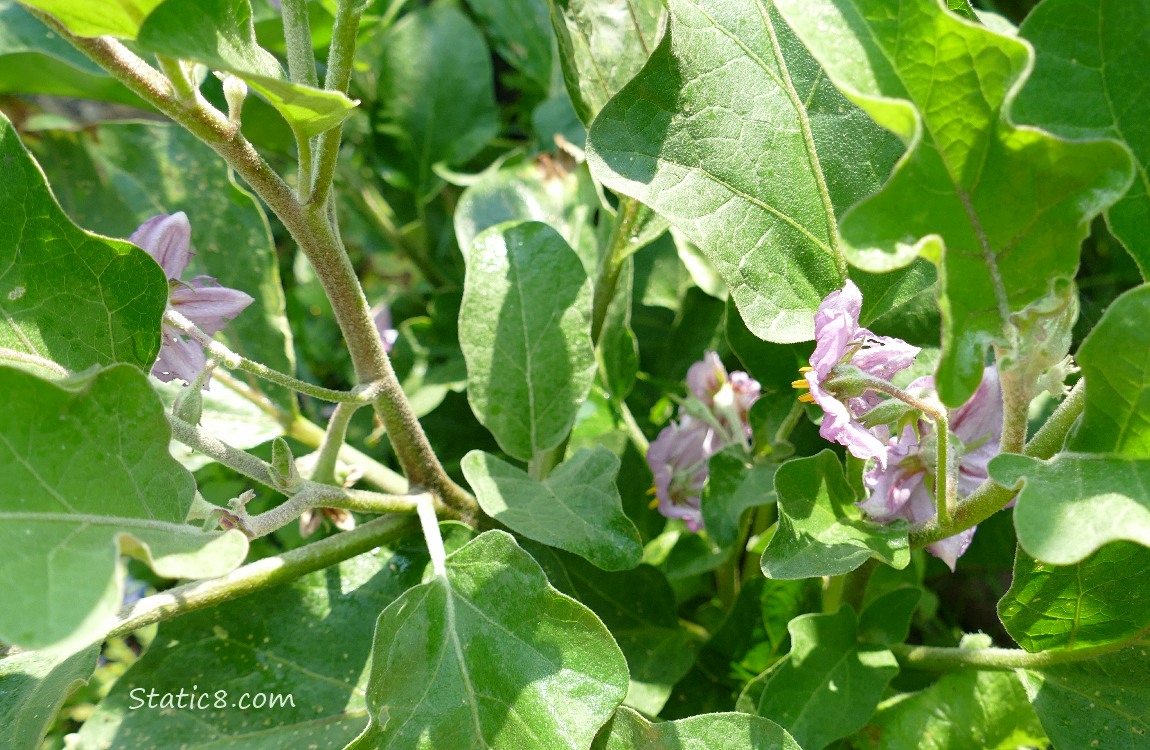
937,658
333,440
297,37
339,62
13,355
261,574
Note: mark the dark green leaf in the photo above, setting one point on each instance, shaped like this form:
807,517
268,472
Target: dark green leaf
112,294
577,508
1002,210
1101,600
886,620
88,476
438,98
630,731
734,485
521,30
820,531
490,656
638,607
829,684
1101,703
1091,58
671,137
525,329
33,685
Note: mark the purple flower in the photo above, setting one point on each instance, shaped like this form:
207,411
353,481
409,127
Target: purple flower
904,488
839,340
381,313
201,300
678,456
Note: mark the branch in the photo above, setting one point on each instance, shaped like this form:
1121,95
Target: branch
262,574
939,659
339,62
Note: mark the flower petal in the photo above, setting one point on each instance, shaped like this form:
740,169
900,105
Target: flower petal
179,358
207,304
839,427
706,377
167,239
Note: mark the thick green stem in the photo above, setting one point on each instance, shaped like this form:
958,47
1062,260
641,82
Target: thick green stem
297,38
262,574
990,497
333,441
939,659
339,61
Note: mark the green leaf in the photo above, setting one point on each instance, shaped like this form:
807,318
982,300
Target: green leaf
821,532
114,177
766,223
112,294
962,711
1098,601
521,31
1001,210
734,485
577,508
1073,504
828,685
638,607
490,656
1100,703
618,348
886,620
314,649
525,330
119,18
437,95
602,45
220,34
88,476
1090,58
630,731
33,686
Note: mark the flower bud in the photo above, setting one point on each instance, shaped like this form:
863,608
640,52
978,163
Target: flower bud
1044,337
189,405
283,472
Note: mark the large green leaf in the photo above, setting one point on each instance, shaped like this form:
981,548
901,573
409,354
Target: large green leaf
308,639
33,685
437,95
821,532
602,45
114,177
962,711
87,475
1001,210
219,34
1095,602
829,684
1090,61
638,607
753,180
489,655
1100,703
577,508
734,485
521,31
525,329
630,731
120,18
111,294
1096,492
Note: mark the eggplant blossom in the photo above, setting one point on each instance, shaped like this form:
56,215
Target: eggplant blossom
202,300
905,487
716,418
844,351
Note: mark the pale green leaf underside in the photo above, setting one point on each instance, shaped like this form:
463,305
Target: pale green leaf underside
112,294
490,656
820,531
33,685
1098,601
1089,81
628,730
119,18
753,180
1075,503
309,638
1001,210
525,331
577,508
828,685
87,475
1100,703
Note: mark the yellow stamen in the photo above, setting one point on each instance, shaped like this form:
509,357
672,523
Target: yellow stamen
651,490
807,398
653,504
801,384
806,369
